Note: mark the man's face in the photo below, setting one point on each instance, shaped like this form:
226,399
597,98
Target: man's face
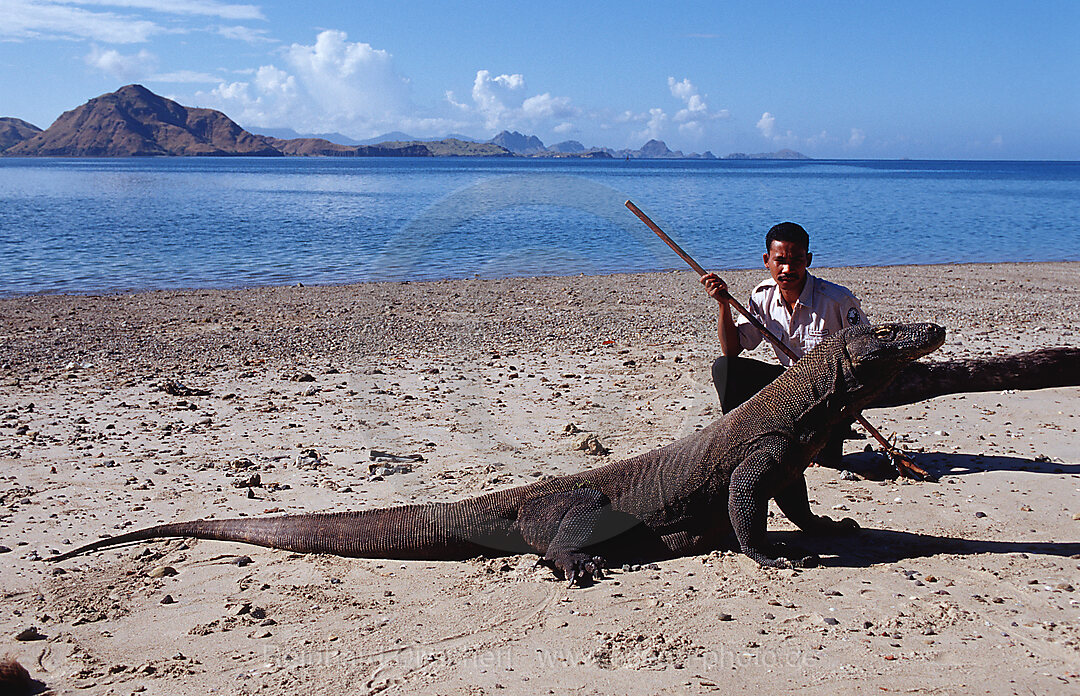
787,262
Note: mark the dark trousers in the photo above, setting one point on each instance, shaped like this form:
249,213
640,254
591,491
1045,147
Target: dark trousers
737,379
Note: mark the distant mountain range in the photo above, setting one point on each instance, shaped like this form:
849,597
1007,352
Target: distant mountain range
135,122
14,130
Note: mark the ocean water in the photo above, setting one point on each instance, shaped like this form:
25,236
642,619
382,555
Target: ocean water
115,225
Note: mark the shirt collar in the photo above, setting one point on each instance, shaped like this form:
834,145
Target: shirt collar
806,297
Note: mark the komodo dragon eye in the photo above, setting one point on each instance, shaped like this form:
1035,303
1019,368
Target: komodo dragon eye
885,333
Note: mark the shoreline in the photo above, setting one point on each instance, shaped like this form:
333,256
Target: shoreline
124,292
470,315
481,378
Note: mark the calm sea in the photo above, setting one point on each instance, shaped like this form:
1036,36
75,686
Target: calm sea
95,225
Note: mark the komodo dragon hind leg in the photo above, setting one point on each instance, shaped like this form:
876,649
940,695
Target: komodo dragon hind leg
748,505
560,526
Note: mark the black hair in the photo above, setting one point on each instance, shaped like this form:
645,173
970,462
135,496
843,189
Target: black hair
787,232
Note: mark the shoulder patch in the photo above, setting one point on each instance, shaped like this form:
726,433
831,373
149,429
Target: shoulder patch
852,316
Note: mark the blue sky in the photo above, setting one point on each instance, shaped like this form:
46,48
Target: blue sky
978,80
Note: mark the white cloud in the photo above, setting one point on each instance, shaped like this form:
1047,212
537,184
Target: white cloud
232,92
696,110
489,93
654,128
124,22
123,67
179,76
271,80
692,119
692,128
330,85
352,80
858,137
246,34
182,7
510,81
545,106
141,66
683,90
452,101
35,19
499,103
767,125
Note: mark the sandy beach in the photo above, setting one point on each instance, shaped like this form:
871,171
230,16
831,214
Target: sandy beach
966,585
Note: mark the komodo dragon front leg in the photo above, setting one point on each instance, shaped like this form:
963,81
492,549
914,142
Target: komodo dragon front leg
795,504
752,483
561,526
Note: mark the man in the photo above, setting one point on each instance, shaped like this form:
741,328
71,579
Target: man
799,308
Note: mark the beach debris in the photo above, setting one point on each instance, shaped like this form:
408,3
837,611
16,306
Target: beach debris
388,464
379,455
310,458
589,443
162,571
175,388
167,599
241,463
300,377
28,634
239,609
571,429
377,470
849,475
253,481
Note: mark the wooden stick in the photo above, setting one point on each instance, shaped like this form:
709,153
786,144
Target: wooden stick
899,459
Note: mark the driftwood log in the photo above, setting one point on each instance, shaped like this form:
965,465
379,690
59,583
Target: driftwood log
1037,369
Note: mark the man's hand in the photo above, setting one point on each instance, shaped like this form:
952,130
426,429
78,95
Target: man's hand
716,288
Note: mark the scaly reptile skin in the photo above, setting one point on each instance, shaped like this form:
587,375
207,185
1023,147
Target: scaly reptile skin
684,498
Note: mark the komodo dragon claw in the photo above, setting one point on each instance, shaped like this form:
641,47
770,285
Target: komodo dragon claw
577,568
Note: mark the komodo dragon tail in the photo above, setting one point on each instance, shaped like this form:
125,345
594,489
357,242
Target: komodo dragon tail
1037,369
437,531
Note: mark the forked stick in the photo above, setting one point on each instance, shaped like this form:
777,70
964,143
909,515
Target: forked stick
903,464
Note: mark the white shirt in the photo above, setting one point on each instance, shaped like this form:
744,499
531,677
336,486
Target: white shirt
822,309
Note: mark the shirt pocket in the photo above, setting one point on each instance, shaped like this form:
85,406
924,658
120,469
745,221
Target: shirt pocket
815,336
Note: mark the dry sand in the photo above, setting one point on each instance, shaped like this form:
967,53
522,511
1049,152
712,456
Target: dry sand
962,586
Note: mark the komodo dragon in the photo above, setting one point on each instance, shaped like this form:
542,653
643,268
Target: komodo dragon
684,498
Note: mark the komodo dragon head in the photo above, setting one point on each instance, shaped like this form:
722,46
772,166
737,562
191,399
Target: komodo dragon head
874,355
